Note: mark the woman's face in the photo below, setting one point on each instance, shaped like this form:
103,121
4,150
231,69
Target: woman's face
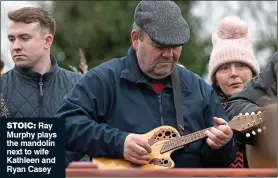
232,77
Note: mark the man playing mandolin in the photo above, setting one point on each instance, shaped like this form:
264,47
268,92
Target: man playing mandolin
115,103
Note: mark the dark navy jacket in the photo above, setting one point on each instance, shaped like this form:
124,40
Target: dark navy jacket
114,99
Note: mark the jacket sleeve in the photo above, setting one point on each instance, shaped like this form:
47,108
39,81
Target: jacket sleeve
259,92
224,156
85,110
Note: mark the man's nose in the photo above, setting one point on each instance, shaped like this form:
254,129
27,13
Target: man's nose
16,45
168,52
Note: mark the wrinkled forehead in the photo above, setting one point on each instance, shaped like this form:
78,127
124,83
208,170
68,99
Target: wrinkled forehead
17,28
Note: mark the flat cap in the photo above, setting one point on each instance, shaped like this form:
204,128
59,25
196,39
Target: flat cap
163,22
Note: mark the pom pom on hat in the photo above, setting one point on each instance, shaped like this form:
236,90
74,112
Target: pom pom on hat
231,43
232,28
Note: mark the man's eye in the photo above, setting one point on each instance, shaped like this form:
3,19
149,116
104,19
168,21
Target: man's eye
157,46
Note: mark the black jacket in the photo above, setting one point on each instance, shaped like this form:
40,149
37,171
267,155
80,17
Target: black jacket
29,94
3,108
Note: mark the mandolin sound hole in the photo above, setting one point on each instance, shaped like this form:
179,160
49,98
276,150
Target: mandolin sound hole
163,161
163,134
167,133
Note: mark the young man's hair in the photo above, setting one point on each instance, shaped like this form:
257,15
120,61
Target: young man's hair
34,14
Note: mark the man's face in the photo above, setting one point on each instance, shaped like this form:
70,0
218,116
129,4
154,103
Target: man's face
155,60
28,44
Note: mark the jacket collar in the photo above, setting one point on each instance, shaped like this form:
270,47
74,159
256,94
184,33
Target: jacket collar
133,73
35,77
131,70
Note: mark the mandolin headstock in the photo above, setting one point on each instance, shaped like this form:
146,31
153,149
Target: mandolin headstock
248,122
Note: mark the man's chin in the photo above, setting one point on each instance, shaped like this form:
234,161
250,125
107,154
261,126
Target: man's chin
23,66
161,75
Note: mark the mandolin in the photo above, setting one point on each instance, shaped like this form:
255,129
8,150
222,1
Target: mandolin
164,140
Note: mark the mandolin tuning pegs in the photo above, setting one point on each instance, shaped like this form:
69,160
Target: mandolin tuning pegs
246,114
252,113
253,132
259,112
259,130
264,127
240,114
247,135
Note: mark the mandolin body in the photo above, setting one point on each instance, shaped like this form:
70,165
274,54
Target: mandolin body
156,138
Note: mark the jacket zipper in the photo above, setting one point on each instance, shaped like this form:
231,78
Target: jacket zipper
160,107
41,98
160,104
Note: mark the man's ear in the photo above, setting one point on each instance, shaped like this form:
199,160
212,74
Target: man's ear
134,39
48,41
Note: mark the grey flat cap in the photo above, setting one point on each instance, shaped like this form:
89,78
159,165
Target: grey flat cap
163,22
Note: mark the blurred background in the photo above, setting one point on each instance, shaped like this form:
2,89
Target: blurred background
101,29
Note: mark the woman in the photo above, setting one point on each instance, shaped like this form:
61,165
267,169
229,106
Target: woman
232,64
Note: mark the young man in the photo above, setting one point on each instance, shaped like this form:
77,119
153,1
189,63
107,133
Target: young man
35,87
119,99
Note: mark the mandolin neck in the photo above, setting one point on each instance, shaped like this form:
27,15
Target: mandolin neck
184,140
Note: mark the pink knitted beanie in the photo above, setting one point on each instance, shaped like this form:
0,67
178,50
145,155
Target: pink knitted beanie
231,44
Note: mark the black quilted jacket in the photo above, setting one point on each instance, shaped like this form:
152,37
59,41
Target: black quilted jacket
28,94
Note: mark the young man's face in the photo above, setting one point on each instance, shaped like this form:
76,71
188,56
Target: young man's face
27,44
154,60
